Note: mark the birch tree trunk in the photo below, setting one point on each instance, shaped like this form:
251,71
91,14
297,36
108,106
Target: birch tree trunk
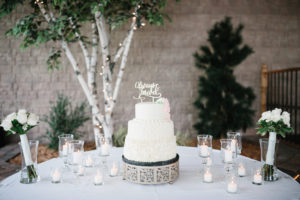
99,35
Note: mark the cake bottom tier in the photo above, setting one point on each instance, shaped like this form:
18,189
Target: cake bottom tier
151,172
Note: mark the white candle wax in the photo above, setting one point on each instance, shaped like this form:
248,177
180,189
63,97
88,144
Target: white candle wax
89,161
232,187
233,145
76,157
207,177
208,162
56,176
65,149
114,170
105,149
241,171
98,179
228,156
257,178
204,152
80,170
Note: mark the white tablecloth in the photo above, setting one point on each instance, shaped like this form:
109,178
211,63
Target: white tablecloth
189,186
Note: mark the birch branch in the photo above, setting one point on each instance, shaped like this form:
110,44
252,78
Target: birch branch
79,76
120,50
82,45
123,64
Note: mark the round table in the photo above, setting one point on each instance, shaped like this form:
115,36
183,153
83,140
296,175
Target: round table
189,185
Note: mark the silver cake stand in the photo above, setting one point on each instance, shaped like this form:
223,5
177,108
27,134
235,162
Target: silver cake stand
151,172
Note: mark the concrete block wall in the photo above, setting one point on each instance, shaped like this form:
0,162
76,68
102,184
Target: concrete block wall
158,54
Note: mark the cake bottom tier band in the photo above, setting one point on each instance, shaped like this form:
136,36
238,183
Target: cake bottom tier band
151,172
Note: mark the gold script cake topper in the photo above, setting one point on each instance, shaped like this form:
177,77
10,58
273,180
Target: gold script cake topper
147,90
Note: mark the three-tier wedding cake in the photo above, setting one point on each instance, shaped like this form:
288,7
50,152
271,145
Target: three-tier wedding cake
150,145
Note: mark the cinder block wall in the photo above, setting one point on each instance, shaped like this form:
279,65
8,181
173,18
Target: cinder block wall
158,54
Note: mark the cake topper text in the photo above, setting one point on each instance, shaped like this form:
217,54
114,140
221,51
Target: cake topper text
147,90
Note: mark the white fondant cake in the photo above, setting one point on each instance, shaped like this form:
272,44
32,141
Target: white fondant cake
150,135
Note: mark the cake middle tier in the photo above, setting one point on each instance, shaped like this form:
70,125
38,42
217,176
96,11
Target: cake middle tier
150,140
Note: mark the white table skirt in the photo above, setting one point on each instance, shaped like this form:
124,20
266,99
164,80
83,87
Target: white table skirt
189,186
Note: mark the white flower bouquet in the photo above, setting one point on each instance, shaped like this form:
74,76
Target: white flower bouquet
20,122
275,122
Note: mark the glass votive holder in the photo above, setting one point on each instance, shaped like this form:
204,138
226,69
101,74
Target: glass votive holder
236,138
80,170
56,175
241,170
114,168
257,176
63,146
207,176
89,161
98,178
76,155
204,145
103,145
232,186
209,162
228,151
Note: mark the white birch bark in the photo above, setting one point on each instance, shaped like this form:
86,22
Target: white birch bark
26,150
271,148
88,94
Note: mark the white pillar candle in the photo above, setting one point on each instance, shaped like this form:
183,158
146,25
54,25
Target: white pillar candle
241,171
257,178
233,145
98,180
65,149
207,176
105,149
80,170
208,162
76,157
114,170
204,152
228,156
89,161
56,176
232,187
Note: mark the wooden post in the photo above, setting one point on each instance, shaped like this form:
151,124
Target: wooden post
263,88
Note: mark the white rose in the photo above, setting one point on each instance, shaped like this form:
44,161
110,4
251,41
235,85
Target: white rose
276,115
6,124
22,116
32,119
286,118
266,116
11,116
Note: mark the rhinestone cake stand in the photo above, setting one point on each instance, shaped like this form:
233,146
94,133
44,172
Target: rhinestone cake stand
151,172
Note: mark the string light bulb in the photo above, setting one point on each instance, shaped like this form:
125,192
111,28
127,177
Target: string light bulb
102,67
120,44
143,24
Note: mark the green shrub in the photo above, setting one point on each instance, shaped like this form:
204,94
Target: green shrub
64,119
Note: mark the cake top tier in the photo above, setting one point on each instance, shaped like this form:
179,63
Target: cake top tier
152,111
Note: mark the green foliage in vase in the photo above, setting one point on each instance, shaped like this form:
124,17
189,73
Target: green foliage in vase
119,137
64,119
223,103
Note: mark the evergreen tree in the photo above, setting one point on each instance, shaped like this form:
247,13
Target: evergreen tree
224,104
